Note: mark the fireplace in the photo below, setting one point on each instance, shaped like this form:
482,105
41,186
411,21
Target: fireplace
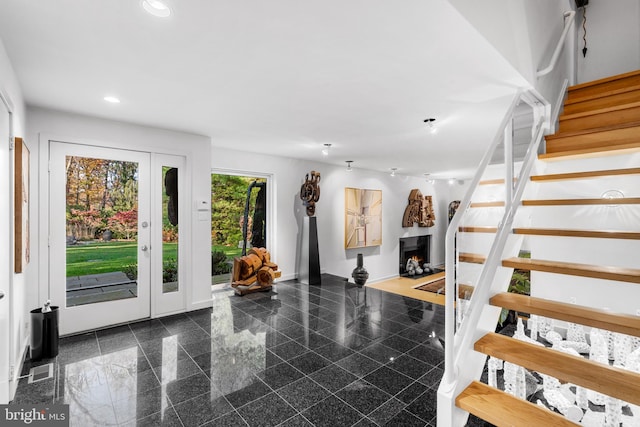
418,248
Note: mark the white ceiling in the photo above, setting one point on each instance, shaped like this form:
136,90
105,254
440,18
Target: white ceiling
281,77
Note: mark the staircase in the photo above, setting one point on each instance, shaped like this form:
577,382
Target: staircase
600,126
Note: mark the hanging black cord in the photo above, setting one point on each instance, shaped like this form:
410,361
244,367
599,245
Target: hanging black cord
584,28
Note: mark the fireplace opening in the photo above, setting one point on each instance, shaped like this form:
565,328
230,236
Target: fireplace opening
417,248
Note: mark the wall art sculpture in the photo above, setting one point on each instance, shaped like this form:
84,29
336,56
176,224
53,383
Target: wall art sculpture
363,218
310,192
420,210
21,208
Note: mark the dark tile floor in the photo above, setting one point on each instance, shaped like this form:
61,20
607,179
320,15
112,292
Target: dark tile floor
329,355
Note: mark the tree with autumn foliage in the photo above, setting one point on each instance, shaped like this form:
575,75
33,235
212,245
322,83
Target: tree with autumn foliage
124,224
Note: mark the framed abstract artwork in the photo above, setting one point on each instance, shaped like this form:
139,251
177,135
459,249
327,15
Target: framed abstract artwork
363,218
21,206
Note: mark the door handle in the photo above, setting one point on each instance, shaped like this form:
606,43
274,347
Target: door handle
1,294
144,248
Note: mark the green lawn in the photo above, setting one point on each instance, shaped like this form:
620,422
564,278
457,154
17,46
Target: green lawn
105,257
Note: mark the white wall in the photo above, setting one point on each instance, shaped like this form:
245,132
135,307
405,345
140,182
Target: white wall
15,285
613,39
44,123
525,33
288,175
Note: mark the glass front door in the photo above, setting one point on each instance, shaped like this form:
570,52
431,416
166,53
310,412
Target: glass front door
100,248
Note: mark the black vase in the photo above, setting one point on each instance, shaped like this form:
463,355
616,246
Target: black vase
360,274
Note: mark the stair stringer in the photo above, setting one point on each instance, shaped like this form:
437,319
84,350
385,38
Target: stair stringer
468,362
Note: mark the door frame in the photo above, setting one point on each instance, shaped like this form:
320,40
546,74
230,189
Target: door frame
102,314
171,302
271,200
41,290
8,346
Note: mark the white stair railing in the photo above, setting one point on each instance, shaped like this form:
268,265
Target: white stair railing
459,344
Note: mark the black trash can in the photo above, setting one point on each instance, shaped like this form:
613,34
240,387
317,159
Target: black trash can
44,333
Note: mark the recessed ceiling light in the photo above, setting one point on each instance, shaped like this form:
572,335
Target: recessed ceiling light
156,8
430,124
112,99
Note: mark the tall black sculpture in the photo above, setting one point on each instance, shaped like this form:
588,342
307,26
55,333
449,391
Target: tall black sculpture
309,268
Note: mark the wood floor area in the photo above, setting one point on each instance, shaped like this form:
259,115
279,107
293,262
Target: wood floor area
407,287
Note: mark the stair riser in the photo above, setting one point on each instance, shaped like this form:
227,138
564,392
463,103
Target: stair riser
597,89
604,102
605,140
600,120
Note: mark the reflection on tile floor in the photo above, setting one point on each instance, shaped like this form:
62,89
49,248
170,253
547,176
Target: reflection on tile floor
329,355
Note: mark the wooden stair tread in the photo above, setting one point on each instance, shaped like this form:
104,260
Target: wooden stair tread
612,98
603,87
604,80
602,110
471,258
502,409
582,175
593,95
597,318
477,229
621,274
612,381
590,152
487,204
611,115
603,138
491,181
571,202
600,234
584,132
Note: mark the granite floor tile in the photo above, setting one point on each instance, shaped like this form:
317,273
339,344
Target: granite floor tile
397,342
313,340
232,419
225,365
303,393
297,421
409,366
388,380
165,418
202,409
188,388
177,370
253,389
333,377
381,353
280,375
334,351
425,406
427,354
309,362
411,392
359,364
432,378
197,348
363,396
269,410
365,422
387,412
289,350
406,419
332,412
141,405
